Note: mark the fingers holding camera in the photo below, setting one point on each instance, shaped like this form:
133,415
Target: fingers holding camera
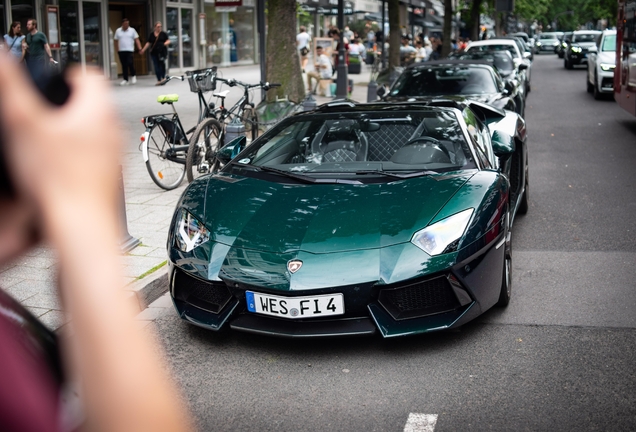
86,145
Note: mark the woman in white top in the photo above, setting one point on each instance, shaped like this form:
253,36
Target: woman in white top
13,41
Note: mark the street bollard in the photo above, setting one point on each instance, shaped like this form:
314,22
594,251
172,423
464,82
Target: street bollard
234,129
372,91
128,242
310,103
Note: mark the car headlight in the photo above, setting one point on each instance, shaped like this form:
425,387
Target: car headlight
443,236
563,44
607,66
538,43
189,232
576,49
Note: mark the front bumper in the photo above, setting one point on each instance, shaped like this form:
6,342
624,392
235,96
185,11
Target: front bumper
433,302
605,81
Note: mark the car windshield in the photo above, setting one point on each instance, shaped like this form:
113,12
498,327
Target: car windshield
448,80
494,47
586,37
501,60
609,43
389,142
548,36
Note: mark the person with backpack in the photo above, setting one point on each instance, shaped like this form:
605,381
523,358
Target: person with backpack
13,41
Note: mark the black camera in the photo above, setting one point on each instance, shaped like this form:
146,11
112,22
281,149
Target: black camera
56,91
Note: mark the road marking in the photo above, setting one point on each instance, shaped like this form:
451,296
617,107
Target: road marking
420,423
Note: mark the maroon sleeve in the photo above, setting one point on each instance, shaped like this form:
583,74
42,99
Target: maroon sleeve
28,391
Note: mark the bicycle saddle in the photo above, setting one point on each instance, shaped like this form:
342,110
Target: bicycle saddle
222,94
168,99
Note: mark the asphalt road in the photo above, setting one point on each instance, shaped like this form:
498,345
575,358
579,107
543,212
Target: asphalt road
560,357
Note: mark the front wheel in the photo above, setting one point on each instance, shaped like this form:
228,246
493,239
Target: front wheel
506,278
204,145
159,152
595,91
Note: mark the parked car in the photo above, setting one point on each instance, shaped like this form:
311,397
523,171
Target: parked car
503,63
563,43
354,219
601,63
526,39
505,45
578,46
526,51
546,42
473,79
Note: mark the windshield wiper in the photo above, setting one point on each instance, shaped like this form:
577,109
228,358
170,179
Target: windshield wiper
295,176
395,175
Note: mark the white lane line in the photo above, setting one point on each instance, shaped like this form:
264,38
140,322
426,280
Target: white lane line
420,423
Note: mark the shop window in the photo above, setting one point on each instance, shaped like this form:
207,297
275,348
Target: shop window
230,36
69,34
22,10
92,31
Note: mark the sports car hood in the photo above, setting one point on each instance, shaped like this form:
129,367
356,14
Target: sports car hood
254,214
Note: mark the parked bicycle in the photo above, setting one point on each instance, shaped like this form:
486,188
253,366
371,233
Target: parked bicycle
210,135
165,142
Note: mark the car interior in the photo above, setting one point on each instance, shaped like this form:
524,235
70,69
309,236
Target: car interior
395,141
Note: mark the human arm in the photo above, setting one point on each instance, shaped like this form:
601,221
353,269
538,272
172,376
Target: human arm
143,50
74,201
47,48
138,44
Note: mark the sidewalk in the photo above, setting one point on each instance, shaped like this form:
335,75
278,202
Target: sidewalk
149,209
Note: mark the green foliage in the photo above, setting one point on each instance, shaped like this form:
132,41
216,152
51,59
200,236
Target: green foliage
545,12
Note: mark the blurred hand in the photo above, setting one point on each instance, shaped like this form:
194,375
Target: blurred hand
78,166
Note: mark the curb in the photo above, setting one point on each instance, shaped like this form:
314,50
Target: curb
150,288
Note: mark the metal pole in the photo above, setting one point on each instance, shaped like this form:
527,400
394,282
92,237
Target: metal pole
342,82
383,37
260,23
128,242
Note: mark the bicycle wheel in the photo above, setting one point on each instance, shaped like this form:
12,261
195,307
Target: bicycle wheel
165,173
249,120
204,144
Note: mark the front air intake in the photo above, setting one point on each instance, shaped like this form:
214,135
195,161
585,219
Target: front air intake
419,299
211,296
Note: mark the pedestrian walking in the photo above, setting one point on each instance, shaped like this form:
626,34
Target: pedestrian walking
158,42
126,38
302,43
13,41
37,53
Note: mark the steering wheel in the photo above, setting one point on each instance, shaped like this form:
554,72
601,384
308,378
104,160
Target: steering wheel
432,141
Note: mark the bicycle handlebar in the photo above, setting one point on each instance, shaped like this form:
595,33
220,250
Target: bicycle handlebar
168,78
233,82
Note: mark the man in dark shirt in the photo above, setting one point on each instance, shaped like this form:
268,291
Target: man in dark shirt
38,53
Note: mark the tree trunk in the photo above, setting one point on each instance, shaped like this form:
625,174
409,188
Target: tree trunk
448,22
394,34
474,19
283,62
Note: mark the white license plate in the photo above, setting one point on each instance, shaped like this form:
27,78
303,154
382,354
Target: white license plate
295,307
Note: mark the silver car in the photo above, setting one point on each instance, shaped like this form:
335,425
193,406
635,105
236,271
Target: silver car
601,62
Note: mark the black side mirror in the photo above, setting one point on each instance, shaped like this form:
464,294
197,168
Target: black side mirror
381,91
523,66
231,149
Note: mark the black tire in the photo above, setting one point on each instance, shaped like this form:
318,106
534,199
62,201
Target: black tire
568,64
597,94
249,120
590,87
165,173
204,145
525,199
506,278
